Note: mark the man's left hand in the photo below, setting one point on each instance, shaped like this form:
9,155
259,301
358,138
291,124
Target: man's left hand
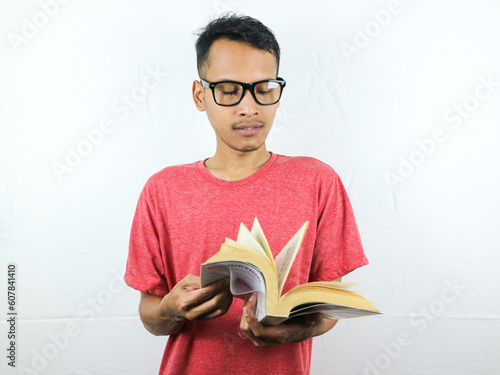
293,330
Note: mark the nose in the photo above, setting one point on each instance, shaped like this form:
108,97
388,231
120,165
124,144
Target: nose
248,106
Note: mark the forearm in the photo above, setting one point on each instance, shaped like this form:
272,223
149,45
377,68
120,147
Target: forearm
296,329
309,327
154,320
325,325
314,325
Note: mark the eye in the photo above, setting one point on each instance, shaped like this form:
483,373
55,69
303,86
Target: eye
266,88
228,89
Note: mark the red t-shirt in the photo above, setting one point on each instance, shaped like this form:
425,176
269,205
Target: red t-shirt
182,218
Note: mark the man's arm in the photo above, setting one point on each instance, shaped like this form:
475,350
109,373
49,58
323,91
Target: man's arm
186,301
294,330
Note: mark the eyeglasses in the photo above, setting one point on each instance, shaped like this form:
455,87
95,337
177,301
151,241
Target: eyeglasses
228,93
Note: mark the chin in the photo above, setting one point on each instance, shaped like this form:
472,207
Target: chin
248,148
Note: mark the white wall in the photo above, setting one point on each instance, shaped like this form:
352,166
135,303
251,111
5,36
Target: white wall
405,115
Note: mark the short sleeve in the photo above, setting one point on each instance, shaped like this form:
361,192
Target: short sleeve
338,249
145,266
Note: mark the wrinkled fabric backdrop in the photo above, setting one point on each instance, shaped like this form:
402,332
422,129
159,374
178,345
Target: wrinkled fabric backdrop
400,97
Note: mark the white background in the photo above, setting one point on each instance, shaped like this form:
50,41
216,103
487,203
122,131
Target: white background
394,95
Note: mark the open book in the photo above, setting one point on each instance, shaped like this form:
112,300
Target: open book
249,263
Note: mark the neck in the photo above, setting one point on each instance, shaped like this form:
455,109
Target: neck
233,165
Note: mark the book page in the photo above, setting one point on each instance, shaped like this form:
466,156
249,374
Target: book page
331,311
285,258
245,279
237,245
245,238
340,286
334,284
258,234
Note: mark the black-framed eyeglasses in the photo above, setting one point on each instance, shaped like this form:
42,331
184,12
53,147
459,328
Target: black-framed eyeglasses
228,93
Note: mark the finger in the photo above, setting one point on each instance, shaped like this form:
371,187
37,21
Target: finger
260,335
219,285
216,306
247,327
211,290
190,282
252,302
251,319
191,279
249,324
193,282
200,295
245,330
245,297
249,311
214,313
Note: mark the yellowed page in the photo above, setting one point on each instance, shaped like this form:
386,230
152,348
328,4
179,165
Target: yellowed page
285,258
258,234
315,296
238,245
245,238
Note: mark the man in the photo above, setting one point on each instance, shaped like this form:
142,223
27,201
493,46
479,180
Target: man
185,212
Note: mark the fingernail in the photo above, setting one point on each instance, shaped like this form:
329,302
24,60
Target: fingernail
245,311
253,298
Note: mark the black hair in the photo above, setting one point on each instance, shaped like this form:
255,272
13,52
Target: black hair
238,28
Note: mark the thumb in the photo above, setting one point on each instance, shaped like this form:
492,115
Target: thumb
251,303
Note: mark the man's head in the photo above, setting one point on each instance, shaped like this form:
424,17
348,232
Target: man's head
242,50
237,28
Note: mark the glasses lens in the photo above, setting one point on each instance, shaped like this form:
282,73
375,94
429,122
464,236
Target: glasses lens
268,92
227,93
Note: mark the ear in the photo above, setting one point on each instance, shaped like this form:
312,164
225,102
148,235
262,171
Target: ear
199,96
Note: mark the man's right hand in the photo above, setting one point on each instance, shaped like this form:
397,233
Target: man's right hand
186,301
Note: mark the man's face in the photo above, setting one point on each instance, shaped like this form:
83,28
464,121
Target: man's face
245,126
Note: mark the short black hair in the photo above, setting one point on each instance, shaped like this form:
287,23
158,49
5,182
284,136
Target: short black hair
238,28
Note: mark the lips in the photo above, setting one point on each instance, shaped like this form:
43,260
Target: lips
248,129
